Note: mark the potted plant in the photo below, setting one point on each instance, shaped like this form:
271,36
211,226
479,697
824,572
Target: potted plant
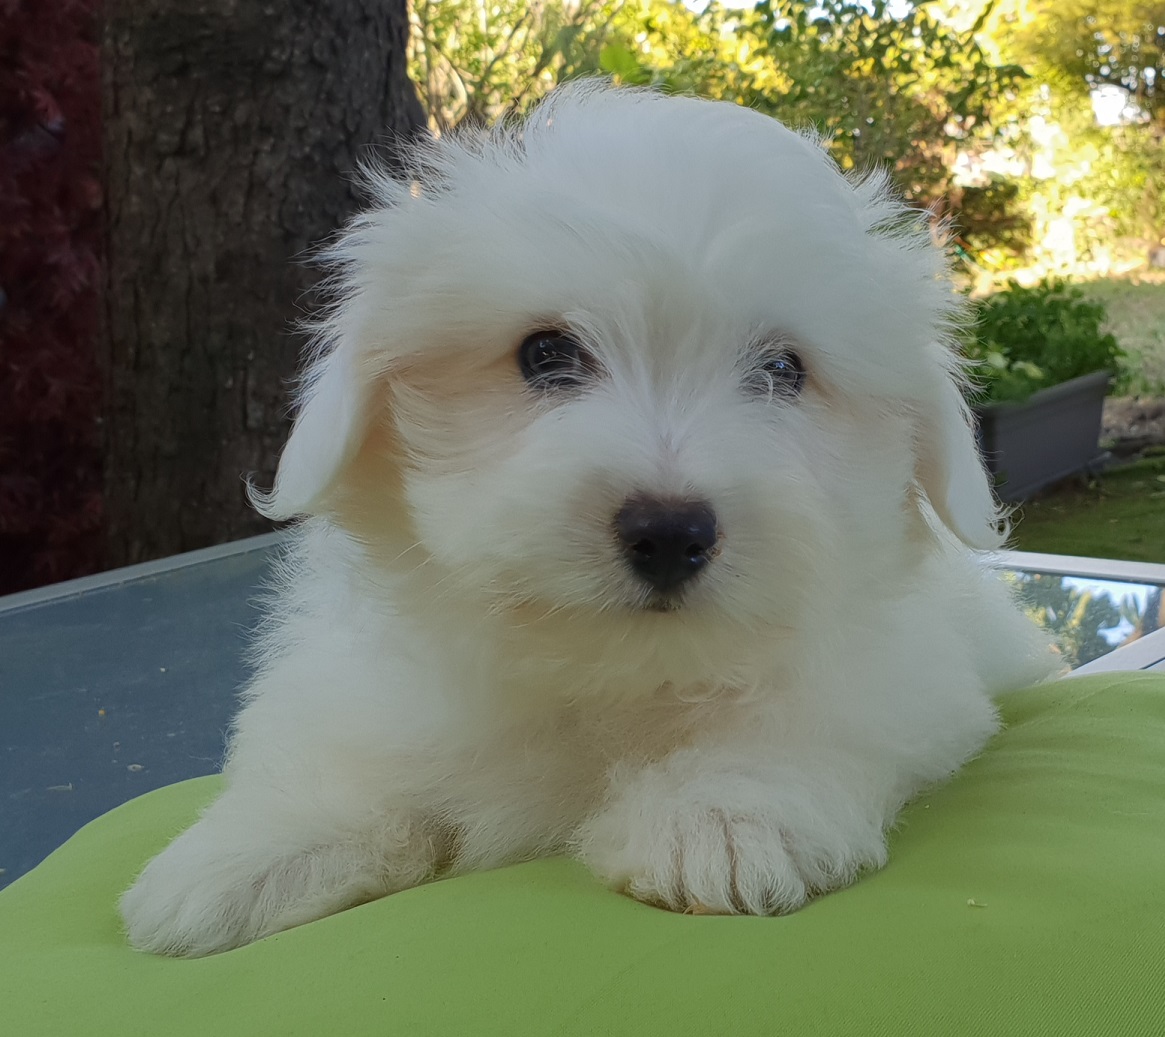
1044,366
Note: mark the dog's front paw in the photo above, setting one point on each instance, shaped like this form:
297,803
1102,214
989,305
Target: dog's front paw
191,901
215,887
737,850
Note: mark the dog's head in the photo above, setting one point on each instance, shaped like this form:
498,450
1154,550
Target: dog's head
651,359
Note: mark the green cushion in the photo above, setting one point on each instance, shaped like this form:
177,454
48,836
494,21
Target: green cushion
1026,897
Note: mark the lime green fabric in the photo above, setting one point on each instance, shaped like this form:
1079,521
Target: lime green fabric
1026,897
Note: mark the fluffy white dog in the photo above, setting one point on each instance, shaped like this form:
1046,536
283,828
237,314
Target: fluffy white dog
640,490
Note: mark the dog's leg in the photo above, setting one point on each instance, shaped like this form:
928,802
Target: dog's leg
256,864
723,833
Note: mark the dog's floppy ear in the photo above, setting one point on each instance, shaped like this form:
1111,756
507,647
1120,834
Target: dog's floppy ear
333,420
949,469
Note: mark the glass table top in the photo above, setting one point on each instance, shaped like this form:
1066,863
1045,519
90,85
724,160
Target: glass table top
1091,607
117,684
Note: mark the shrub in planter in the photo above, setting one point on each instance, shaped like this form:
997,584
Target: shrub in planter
1043,369
1026,339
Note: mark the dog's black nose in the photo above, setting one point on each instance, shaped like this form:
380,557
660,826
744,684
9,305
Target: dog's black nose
666,542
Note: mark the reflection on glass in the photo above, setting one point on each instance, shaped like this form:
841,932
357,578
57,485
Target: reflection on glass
1089,618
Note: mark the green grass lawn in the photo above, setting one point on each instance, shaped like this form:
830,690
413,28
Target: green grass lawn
1136,316
1118,515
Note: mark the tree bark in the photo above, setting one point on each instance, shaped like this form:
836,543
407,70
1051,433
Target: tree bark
232,128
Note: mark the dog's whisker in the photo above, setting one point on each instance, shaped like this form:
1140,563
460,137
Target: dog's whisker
415,546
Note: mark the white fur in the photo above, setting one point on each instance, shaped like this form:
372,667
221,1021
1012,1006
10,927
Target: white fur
458,670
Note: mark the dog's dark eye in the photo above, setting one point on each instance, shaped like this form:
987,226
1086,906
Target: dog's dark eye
553,359
779,373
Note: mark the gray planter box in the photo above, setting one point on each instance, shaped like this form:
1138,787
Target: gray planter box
1048,436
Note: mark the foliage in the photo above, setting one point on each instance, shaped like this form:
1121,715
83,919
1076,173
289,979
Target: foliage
1025,339
50,200
474,60
991,217
1125,175
1084,623
1086,44
1072,48
1111,177
477,61
901,89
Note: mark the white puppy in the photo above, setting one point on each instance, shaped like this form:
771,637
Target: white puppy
640,492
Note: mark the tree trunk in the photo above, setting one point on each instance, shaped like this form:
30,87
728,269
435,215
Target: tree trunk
231,132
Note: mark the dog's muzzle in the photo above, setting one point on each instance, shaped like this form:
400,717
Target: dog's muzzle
666,542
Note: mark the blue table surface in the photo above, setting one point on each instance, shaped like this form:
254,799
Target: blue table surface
116,685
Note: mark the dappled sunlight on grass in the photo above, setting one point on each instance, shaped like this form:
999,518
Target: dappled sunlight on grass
1118,515
1136,316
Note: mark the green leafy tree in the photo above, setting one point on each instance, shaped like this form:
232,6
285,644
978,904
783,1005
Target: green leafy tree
1079,621
1084,44
904,89
480,60
1072,48
1145,621
476,59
